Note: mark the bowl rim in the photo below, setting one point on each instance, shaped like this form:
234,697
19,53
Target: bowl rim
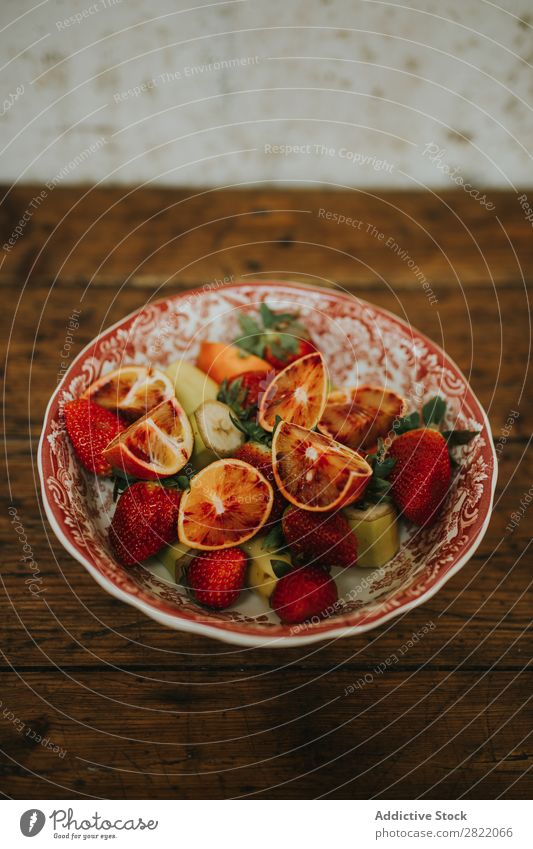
224,631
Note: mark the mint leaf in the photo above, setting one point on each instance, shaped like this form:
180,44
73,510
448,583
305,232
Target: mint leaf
433,412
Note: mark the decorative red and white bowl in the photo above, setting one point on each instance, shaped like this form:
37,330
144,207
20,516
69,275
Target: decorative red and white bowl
361,343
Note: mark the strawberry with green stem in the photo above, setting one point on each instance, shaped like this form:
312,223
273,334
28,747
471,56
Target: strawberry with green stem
278,338
420,477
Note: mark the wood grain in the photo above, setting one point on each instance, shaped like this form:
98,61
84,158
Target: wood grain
142,711
152,236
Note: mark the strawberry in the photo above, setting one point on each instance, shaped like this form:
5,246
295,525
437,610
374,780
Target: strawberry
421,474
284,348
216,578
260,457
304,594
278,338
145,520
422,470
250,386
324,539
91,428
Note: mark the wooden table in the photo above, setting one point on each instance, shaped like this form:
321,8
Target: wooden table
138,711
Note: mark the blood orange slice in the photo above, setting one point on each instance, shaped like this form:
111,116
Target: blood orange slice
315,472
132,390
297,394
357,417
228,502
157,445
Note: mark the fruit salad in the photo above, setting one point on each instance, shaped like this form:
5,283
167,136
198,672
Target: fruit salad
249,471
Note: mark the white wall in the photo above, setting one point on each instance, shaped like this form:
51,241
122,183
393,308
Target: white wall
375,80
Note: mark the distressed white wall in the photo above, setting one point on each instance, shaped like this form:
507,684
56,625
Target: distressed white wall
127,89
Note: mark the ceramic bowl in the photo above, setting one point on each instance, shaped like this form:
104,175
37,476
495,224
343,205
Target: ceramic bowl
361,343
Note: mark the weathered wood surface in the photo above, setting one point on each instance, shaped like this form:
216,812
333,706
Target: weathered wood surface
139,711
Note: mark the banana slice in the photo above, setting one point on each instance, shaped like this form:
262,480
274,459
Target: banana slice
216,430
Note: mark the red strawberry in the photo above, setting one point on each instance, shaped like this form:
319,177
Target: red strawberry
421,475
146,519
260,457
216,578
281,349
304,594
277,337
324,539
250,386
91,428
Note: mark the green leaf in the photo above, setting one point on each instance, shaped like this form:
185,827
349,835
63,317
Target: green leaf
459,437
121,482
410,422
280,567
178,481
433,411
288,342
378,487
252,431
267,316
249,325
383,468
274,540
250,344
234,396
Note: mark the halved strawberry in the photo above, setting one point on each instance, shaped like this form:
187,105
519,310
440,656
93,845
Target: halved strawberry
91,428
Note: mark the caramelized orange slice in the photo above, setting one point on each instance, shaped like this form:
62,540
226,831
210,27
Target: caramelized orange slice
357,417
131,390
157,445
297,394
315,472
